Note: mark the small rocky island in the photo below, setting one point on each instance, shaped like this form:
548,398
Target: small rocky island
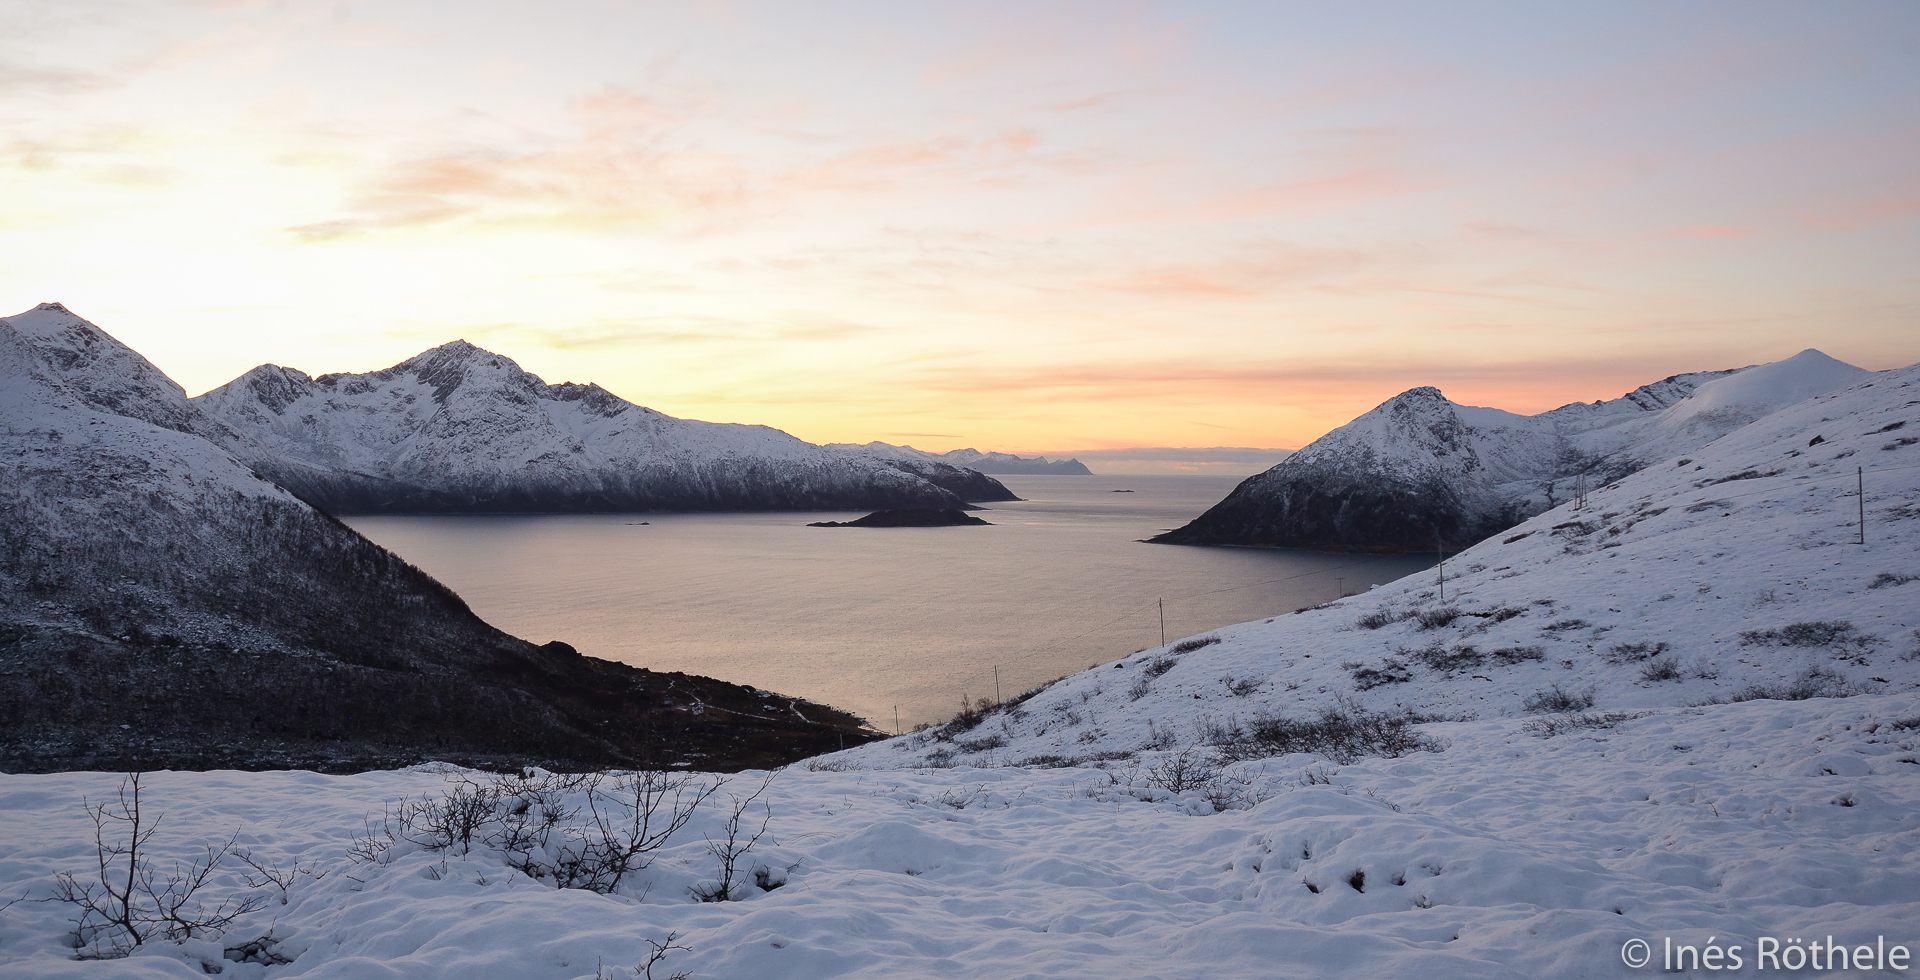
909,517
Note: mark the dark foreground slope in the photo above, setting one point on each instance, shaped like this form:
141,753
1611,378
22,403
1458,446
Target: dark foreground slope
161,606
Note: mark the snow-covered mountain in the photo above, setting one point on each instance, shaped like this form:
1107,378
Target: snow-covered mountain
161,604
460,429
1728,573
1420,470
973,459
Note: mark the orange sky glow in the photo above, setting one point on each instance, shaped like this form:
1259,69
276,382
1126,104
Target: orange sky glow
1023,227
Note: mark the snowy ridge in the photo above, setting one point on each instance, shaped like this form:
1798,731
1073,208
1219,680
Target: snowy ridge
970,458
1419,464
458,428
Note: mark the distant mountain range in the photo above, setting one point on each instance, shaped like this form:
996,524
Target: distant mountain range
461,429
164,605
1420,472
973,459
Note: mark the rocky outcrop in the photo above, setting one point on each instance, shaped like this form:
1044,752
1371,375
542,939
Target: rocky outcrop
908,517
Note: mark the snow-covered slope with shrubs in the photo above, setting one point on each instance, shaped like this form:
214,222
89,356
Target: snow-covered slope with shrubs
1730,572
1506,855
1419,470
458,428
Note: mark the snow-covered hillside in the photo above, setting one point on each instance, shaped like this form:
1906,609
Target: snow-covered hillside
458,428
1419,469
970,458
1728,572
163,605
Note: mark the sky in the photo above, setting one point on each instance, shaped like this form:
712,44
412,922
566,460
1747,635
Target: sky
1026,227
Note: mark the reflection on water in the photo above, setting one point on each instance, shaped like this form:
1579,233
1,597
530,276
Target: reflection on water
867,619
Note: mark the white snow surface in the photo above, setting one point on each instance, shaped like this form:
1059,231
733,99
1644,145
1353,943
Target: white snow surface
1505,855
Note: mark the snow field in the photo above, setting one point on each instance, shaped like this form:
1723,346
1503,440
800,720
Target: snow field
1506,854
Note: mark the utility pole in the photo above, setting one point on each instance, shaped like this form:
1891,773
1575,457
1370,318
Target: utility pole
1860,490
1340,582
896,719
996,685
1442,553
1163,622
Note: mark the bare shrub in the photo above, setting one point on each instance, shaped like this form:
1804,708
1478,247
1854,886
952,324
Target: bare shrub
1160,665
1628,653
267,873
1553,725
982,744
733,849
1437,657
1437,617
1189,768
1390,672
1160,738
1515,655
1810,634
1241,687
529,821
1817,682
129,903
1343,734
1885,579
1188,646
1565,625
1142,686
1660,669
1380,618
626,826
1558,700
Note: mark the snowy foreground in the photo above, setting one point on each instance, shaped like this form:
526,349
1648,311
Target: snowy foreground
1510,853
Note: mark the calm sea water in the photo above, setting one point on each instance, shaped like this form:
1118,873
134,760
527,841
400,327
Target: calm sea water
870,619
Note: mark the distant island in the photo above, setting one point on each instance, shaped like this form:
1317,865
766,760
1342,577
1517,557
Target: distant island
909,517
972,459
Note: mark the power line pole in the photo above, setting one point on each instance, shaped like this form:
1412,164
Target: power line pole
1340,584
1163,622
1860,490
1442,553
896,719
996,685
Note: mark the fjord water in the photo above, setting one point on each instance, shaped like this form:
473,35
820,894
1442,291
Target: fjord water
869,619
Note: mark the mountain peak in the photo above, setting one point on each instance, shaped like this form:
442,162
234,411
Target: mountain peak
103,372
